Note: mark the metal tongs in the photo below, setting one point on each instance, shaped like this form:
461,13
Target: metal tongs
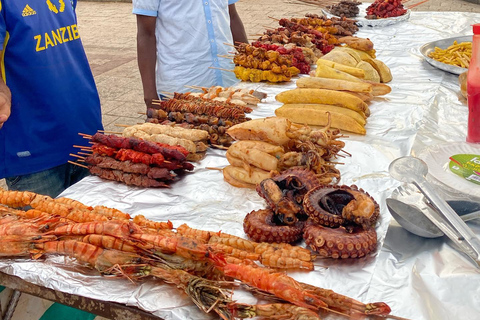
413,170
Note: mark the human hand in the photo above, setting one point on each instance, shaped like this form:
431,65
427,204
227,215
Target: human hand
5,108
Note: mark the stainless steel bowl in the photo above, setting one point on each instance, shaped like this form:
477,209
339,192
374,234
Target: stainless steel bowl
443,44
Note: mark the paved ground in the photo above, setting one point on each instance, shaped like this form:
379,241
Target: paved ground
108,31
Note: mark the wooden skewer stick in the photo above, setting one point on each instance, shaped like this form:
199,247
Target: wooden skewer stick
228,44
110,132
195,87
76,156
80,147
221,69
217,146
78,164
156,103
225,56
85,135
212,168
84,154
273,18
123,125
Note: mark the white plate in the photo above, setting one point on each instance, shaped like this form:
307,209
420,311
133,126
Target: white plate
444,44
363,22
438,158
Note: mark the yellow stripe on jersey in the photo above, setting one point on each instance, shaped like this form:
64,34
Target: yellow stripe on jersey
2,57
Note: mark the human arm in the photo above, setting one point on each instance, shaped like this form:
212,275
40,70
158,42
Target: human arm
5,102
236,25
147,56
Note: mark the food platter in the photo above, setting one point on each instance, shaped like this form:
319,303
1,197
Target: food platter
363,22
437,158
443,44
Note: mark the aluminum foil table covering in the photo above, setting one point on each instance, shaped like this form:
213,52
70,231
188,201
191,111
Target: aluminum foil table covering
419,278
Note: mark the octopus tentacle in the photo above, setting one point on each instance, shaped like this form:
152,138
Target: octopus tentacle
339,243
259,225
333,206
284,193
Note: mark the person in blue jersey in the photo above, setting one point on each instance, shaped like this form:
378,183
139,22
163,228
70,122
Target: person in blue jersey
47,95
178,42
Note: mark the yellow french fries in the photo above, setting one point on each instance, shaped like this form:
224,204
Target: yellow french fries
458,54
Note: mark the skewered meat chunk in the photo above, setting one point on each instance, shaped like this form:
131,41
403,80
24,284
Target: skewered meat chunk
256,75
105,162
131,179
169,152
177,132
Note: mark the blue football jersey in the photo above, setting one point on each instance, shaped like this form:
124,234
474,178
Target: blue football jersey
54,97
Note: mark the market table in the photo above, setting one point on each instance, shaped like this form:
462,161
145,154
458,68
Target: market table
419,278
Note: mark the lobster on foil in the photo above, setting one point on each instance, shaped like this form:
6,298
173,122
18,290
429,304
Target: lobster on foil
200,263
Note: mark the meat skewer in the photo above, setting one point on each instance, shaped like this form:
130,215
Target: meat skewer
217,133
169,152
131,179
207,108
138,157
106,162
192,118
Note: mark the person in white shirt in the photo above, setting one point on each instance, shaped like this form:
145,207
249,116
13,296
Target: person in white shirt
178,42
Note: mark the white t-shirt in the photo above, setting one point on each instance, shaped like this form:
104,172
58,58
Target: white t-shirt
191,34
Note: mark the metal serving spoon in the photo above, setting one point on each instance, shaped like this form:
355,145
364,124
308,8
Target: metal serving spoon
413,170
411,218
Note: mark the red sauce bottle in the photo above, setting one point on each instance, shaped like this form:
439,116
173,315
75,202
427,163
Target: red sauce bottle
473,89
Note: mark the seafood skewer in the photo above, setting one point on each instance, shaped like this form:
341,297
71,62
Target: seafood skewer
189,258
278,284
274,311
345,304
207,295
